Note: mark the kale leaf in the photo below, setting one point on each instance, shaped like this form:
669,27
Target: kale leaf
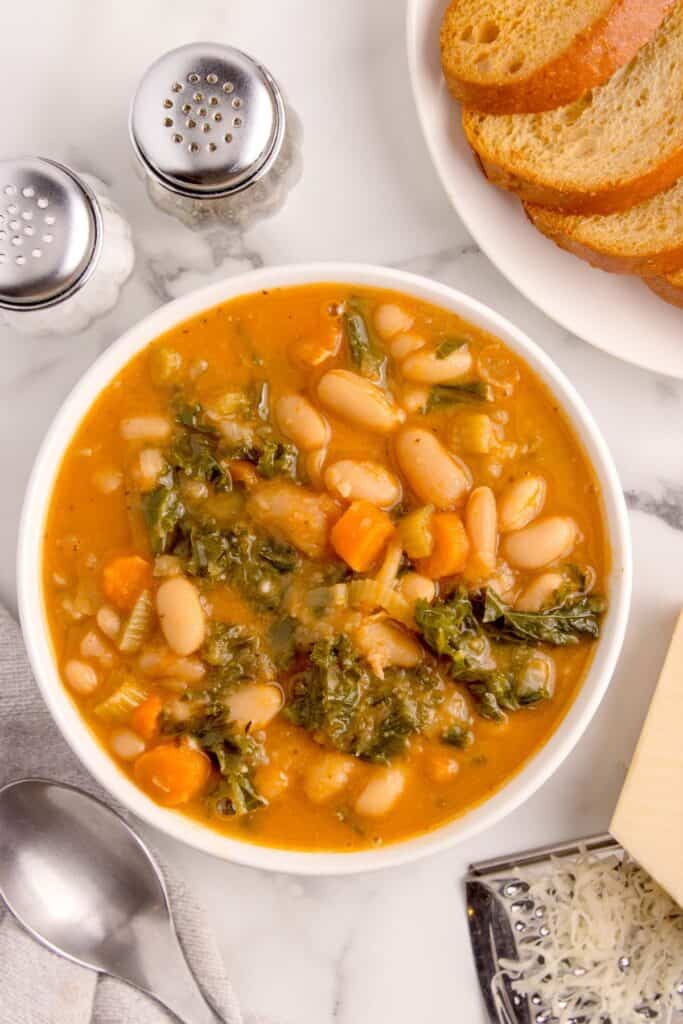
191,416
163,510
458,629
258,565
344,705
195,455
235,654
449,345
445,395
451,629
458,736
273,458
233,754
574,615
364,353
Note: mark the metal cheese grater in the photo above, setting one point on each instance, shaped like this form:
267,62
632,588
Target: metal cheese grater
50,233
211,129
502,917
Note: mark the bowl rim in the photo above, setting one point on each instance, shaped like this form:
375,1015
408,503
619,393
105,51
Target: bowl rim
535,771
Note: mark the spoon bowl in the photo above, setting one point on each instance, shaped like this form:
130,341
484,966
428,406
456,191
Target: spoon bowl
81,881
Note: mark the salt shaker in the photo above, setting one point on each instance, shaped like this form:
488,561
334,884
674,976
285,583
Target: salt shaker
65,249
216,140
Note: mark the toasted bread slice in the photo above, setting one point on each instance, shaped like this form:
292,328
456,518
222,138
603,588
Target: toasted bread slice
669,288
645,240
615,147
508,57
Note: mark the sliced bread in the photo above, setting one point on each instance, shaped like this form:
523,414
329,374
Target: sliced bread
646,239
615,147
510,56
669,288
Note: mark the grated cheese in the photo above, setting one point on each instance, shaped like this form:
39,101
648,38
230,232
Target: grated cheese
611,945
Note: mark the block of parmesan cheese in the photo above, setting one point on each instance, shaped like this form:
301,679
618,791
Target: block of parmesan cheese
648,821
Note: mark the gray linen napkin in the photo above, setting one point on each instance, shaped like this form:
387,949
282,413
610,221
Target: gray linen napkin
37,987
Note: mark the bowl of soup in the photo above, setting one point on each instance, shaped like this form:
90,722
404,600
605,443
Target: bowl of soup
323,568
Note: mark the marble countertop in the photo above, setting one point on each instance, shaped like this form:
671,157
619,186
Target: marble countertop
388,948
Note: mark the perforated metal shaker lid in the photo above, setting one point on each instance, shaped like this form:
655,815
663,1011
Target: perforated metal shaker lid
50,233
207,120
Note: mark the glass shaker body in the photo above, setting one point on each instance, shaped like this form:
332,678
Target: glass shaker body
65,248
217,141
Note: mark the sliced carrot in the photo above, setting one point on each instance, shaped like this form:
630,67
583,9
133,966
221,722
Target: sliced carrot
172,774
145,718
361,534
124,579
451,547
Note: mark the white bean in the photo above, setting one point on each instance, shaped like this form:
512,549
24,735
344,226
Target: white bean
145,428
482,531
504,582
254,705
148,467
167,565
359,401
327,776
181,616
126,744
380,793
389,319
301,422
442,765
160,662
415,587
539,592
403,345
382,643
271,781
428,368
437,477
109,621
80,676
107,480
540,544
363,481
414,398
521,502
537,678
236,433
93,646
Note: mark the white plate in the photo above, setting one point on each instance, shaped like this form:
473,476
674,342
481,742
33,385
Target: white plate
616,314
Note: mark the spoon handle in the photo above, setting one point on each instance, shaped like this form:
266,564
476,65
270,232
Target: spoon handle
177,990
162,971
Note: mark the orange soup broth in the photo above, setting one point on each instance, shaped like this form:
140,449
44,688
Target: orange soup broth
248,339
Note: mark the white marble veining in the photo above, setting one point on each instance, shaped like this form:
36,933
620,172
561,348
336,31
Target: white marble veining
389,948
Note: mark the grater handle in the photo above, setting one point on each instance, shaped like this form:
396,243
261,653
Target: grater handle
592,844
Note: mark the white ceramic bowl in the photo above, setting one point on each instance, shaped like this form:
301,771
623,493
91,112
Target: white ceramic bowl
32,610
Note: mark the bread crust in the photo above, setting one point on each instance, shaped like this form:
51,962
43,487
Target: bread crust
590,60
613,198
646,264
666,289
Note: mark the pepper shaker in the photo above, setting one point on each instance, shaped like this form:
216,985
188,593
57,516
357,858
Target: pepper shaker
215,138
65,249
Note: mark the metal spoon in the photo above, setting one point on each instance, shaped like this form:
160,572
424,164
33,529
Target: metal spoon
84,885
